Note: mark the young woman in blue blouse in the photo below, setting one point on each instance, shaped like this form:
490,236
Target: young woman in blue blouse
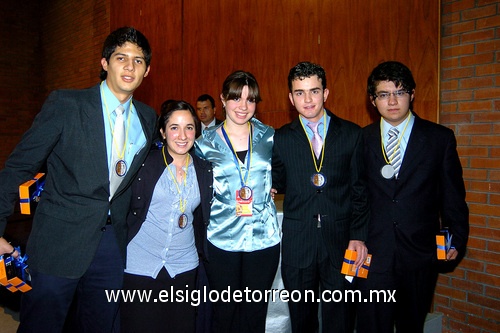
243,233
170,197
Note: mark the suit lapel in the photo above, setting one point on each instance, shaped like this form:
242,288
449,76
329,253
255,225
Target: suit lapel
333,129
141,155
374,145
93,131
298,131
415,148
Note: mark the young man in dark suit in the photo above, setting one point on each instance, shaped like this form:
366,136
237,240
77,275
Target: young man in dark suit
415,186
325,205
78,241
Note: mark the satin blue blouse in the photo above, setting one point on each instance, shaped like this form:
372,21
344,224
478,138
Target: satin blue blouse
226,230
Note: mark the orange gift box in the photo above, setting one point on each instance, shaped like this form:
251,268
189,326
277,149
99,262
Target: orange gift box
443,243
441,247
348,267
29,193
3,273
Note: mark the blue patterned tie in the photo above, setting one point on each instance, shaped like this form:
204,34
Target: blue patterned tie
393,152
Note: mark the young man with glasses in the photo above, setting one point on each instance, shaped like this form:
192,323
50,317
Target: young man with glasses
415,187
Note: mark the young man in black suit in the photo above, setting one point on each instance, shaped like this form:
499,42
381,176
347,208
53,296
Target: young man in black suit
325,206
78,241
415,186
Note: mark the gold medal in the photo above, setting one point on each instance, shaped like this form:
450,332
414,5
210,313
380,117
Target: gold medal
318,180
183,221
121,168
245,193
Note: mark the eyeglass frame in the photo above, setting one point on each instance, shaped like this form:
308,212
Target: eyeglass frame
397,94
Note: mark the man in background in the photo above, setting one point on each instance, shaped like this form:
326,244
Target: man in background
206,109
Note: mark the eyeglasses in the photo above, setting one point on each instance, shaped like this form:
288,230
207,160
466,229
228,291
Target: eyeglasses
387,95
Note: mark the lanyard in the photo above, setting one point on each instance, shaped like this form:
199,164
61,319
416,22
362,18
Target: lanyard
119,152
318,169
182,202
235,156
388,159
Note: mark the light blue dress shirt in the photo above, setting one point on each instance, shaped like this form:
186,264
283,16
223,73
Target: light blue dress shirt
136,139
402,131
321,129
160,241
226,230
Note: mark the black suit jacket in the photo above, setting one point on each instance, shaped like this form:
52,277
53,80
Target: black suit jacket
145,182
68,135
342,202
406,212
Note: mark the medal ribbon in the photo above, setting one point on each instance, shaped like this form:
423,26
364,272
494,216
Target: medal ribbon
318,169
182,202
119,152
388,159
235,156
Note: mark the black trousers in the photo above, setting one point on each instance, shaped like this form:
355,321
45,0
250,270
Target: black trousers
46,307
236,271
170,315
413,295
319,278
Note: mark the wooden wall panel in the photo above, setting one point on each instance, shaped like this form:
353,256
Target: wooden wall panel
161,23
348,38
358,35
196,44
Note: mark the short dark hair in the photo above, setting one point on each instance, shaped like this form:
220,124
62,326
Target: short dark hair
206,97
121,36
234,83
168,107
394,72
304,70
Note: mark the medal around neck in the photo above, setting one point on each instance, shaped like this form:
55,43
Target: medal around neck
387,171
245,193
183,221
121,168
318,180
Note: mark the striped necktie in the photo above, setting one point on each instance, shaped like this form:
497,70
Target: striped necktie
393,152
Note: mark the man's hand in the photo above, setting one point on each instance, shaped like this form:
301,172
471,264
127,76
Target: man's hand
6,248
361,251
452,254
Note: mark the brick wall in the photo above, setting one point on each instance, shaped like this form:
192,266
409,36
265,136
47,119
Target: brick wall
72,34
470,105
20,71
48,44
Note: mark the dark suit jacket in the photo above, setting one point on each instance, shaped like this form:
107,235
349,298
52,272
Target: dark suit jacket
198,128
406,213
143,187
68,134
342,202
